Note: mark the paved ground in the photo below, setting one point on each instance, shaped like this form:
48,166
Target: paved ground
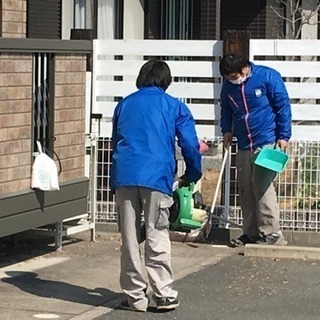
214,282
243,288
72,284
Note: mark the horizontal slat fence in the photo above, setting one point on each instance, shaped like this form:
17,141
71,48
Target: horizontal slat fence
197,82
194,66
298,61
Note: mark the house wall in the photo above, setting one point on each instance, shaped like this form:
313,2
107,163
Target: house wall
208,17
67,19
21,207
310,31
14,18
274,24
16,119
15,122
69,128
16,108
213,17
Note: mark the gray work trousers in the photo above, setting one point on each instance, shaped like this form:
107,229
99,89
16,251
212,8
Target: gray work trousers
131,201
257,196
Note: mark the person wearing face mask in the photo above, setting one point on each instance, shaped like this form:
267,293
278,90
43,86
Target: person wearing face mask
255,108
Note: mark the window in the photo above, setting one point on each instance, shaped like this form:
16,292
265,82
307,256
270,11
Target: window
168,19
249,15
104,17
42,101
44,19
84,13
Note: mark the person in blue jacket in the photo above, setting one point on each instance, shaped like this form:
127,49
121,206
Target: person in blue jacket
146,125
255,108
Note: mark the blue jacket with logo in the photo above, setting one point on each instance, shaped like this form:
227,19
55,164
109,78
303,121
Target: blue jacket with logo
258,111
145,127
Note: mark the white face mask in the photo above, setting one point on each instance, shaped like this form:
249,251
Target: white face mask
238,80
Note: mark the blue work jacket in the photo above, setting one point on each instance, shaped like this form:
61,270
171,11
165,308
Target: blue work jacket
146,125
258,111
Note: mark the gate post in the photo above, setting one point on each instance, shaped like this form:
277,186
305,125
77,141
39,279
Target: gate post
236,42
93,181
233,42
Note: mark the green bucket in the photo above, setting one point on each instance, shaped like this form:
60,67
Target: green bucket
272,159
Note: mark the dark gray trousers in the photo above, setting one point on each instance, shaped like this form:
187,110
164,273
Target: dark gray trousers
257,196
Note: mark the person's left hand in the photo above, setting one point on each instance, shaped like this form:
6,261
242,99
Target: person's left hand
282,144
203,146
183,182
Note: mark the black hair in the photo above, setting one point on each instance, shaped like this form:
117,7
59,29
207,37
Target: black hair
154,73
232,63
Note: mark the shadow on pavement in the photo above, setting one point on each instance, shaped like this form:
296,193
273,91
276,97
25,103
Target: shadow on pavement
22,247
29,282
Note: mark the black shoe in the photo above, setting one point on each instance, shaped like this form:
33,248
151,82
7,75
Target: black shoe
166,304
277,240
125,306
243,240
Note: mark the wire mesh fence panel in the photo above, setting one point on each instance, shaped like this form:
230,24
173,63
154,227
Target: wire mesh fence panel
297,187
105,207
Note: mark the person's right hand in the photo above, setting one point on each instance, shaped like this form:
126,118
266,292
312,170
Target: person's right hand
282,144
227,139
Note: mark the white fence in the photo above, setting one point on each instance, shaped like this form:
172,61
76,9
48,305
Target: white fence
298,61
195,70
196,75
196,80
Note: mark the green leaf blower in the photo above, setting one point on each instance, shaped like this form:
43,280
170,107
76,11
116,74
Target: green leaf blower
187,212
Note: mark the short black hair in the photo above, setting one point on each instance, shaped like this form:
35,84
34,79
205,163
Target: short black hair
154,73
231,63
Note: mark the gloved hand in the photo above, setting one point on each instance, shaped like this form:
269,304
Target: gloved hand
183,181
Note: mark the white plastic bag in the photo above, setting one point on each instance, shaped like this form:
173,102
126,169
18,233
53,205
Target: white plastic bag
44,172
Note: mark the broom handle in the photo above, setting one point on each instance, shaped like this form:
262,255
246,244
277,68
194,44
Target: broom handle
225,157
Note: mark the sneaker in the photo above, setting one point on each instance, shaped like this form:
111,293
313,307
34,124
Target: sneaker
270,239
166,304
243,240
125,306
